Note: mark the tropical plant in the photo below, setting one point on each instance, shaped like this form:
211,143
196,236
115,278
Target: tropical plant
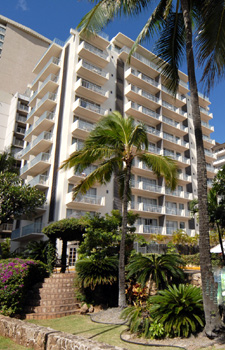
37,250
8,163
5,248
174,21
179,309
115,142
97,279
139,319
162,269
17,199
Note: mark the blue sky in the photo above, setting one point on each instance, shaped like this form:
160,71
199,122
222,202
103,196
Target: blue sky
54,18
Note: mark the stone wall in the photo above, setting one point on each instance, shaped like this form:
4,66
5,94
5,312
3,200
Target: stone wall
42,338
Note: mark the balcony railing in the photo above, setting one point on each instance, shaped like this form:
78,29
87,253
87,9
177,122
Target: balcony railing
178,96
91,106
144,93
6,227
39,179
53,60
94,69
17,142
80,124
93,87
20,130
143,185
89,199
206,138
51,77
207,125
205,111
46,115
34,228
41,157
95,50
22,107
141,58
21,118
48,96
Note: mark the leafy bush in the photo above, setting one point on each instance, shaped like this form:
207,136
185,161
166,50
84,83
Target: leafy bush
139,319
178,309
16,277
161,269
97,279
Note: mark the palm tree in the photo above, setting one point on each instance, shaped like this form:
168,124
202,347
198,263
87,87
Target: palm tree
174,20
161,269
115,143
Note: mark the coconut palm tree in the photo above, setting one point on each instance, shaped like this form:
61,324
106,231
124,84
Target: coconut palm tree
174,19
115,142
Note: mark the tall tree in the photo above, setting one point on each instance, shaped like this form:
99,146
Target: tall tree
115,142
174,20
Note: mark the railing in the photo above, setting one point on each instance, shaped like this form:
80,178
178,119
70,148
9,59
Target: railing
210,168
36,227
48,96
169,106
182,83
151,130
44,157
154,149
178,96
150,112
80,124
92,87
39,179
89,199
206,138
203,110
203,96
95,50
149,80
46,115
21,118
141,58
94,69
18,143
91,106
53,60
52,77
152,229
150,207
20,130
170,230
146,186
45,135
22,107
207,125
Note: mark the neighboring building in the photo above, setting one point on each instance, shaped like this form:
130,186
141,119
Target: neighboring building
20,49
76,84
219,151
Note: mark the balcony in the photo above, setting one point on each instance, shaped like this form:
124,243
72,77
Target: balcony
88,110
21,118
207,141
177,128
76,146
84,202
173,112
140,79
180,194
40,182
140,62
23,108
81,128
91,91
141,96
6,227
50,84
178,100
93,54
20,131
183,161
27,233
210,169
92,72
37,165
75,176
174,143
45,122
143,207
206,127
141,186
40,144
142,113
178,212
149,229
51,67
184,177
48,102
54,50
18,143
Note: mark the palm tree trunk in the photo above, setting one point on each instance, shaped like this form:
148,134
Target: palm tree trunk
221,242
209,288
122,296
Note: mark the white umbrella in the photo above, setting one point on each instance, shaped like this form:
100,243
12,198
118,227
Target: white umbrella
217,248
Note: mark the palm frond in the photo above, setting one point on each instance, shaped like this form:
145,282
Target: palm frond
210,43
162,166
170,48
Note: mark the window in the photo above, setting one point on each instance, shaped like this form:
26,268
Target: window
70,187
182,225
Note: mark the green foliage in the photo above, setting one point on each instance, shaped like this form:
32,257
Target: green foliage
37,250
92,272
51,254
16,277
97,280
162,269
191,260
171,248
179,310
8,163
16,198
5,249
70,229
139,319
156,330
103,234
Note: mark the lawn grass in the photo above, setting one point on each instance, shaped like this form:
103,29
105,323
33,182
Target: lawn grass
7,344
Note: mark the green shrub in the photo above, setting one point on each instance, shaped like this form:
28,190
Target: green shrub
16,277
179,310
191,259
139,319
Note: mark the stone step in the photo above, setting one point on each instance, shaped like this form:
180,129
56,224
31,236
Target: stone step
44,316
51,302
62,275
52,284
53,294
51,309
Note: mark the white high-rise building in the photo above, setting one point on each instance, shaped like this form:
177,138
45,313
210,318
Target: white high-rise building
78,82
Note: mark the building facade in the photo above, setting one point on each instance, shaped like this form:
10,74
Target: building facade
76,84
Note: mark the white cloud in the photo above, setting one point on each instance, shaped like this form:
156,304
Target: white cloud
22,4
